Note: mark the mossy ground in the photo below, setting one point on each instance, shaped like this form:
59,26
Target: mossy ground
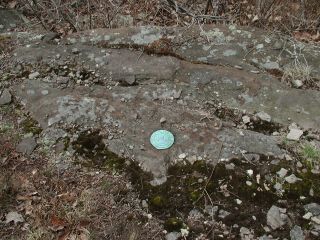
190,186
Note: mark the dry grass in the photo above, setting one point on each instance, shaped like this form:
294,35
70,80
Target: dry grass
298,71
75,15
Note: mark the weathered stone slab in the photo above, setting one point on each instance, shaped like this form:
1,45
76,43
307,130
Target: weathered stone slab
10,18
130,88
133,116
232,45
199,83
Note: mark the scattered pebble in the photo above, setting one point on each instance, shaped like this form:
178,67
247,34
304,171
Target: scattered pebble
5,97
249,183
14,217
223,214
27,145
294,134
297,83
250,172
282,172
34,75
292,179
264,116
75,50
163,120
307,216
296,233
182,156
276,217
246,119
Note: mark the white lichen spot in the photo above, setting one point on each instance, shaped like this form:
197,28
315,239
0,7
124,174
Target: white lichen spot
206,47
229,52
71,110
146,36
232,27
72,40
267,40
107,37
202,59
216,36
259,46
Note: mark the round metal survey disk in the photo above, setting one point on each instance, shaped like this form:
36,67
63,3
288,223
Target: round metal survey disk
162,139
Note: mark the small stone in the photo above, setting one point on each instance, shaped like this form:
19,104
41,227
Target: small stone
278,45
316,219
144,204
211,210
264,116
14,217
282,172
294,134
230,166
246,234
163,120
307,216
297,83
292,179
27,145
34,75
44,92
250,172
271,65
311,192
313,208
276,217
50,36
259,46
130,80
223,214
278,186
238,201
173,236
249,183
75,50
246,119
296,233
5,97
182,156
177,94
195,214
62,80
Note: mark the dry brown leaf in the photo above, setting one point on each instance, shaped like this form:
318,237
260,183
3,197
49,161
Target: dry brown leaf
57,224
306,37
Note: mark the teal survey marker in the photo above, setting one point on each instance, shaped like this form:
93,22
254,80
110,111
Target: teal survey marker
162,139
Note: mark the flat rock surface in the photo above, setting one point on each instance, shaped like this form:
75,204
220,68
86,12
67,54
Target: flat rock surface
183,66
111,84
10,18
27,145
